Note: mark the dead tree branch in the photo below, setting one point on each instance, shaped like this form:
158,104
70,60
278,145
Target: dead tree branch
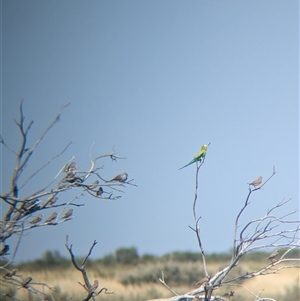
26,212
90,289
274,230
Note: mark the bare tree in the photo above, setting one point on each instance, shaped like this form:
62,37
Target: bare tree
271,231
91,289
26,212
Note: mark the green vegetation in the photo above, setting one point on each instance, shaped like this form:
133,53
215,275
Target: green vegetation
50,260
129,256
121,257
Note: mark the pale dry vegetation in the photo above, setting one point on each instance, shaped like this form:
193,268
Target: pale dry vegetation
140,281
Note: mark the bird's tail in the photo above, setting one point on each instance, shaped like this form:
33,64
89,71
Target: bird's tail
193,161
185,165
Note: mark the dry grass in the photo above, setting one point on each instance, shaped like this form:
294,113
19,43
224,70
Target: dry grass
66,283
275,284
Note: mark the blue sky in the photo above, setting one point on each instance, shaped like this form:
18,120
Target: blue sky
156,80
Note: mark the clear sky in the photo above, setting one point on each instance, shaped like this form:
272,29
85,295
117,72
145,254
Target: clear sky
156,80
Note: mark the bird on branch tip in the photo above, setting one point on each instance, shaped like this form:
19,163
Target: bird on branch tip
69,166
256,182
199,157
37,219
68,213
51,217
120,178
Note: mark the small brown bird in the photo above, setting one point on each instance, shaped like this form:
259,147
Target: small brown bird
120,178
37,219
273,255
51,200
69,167
68,213
93,185
99,191
94,286
203,281
4,250
256,182
10,274
70,170
26,282
52,217
70,179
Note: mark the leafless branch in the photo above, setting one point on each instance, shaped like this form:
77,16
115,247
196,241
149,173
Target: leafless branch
242,210
90,289
44,166
267,232
25,212
162,281
196,219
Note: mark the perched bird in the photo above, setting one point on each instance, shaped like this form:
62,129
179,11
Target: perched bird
26,282
70,180
51,217
70,170
199,157
120,178
4,250
69,167
99,191
273,255
10,274
94,286
93,185
34,208
256,182
51,200
32,205
203,281
37,219
68,213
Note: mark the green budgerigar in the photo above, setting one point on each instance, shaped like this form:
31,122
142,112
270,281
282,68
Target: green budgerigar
199,157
